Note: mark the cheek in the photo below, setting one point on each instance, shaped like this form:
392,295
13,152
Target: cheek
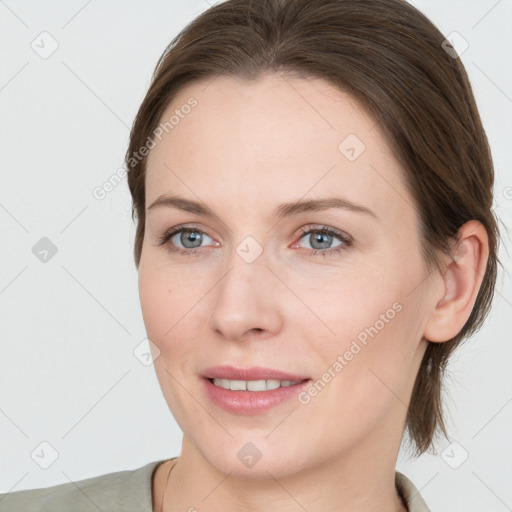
175,311
155,294
167,308
376,301
352,304
362,372
371,329
168,298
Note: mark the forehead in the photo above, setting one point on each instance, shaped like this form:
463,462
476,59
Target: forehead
277,137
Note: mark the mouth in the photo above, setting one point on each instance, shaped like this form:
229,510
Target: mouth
254,385
255,373
251,391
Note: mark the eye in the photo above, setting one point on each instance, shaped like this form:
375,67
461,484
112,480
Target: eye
185,239
325,240
189,240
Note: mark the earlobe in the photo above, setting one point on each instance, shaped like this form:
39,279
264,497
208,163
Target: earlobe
460,283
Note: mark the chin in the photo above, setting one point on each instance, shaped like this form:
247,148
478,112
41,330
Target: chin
258,459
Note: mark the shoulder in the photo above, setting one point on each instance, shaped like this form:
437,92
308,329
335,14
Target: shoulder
411,495
118,491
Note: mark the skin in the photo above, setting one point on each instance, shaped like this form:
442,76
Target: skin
243,150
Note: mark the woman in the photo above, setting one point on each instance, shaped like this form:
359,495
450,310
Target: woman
313,190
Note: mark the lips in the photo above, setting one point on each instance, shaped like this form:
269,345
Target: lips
239,390
253,373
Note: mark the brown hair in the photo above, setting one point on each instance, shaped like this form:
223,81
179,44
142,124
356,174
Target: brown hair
390,57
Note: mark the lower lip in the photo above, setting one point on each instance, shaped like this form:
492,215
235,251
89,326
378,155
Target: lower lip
251,403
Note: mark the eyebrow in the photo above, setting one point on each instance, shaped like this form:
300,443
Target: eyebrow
282,211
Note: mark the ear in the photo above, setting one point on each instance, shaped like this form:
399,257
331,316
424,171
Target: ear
460,283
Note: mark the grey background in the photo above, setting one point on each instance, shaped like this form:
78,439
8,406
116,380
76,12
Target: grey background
69,326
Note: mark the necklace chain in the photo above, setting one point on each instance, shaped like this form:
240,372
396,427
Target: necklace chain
163,493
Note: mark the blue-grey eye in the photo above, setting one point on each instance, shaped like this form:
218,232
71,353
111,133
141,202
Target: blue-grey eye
189,238
321,240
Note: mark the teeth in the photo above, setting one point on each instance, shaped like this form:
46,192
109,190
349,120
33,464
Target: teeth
254,385
237,385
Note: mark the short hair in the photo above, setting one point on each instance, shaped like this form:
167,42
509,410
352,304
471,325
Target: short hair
397,64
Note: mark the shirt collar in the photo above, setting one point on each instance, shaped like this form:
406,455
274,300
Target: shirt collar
411,495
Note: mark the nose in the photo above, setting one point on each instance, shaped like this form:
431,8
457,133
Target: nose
247,301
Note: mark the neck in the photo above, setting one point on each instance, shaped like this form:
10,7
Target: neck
359,480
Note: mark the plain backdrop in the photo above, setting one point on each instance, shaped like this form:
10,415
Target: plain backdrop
75,394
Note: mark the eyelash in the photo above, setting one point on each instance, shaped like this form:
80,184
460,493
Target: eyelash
344,238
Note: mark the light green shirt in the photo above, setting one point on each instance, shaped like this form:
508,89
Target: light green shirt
129,491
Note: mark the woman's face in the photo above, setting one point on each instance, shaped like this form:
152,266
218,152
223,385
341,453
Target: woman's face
329,294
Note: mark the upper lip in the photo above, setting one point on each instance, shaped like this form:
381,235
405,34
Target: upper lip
253,373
